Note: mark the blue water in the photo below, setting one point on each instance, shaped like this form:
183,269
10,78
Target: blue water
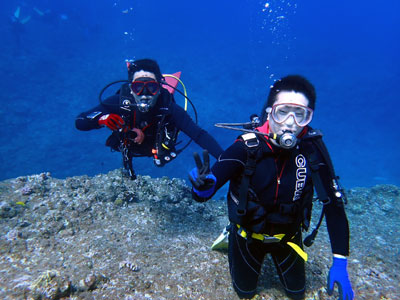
230,52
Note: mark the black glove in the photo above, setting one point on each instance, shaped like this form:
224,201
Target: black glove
202,180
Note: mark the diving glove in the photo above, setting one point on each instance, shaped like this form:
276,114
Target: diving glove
112,121
202,180
338,274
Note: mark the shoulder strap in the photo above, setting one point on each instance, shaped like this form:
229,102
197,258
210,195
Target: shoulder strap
253,144
317,155
125,97
314,163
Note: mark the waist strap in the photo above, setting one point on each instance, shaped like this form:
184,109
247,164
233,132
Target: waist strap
267,239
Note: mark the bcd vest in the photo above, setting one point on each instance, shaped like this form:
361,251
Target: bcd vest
254,215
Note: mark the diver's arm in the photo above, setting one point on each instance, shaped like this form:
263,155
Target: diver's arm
338,227
230,163
335,215
88,120
339,235
201,137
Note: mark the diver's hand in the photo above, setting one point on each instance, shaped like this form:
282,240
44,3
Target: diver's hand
338,274
139,135
112,121
202,180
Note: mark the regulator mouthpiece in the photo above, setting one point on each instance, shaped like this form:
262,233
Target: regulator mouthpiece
287,140
143,107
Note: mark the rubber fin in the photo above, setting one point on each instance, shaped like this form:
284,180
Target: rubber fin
221,243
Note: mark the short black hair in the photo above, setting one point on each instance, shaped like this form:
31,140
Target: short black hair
145,64
294,83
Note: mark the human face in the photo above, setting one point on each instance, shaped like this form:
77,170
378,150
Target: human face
146,98
296,104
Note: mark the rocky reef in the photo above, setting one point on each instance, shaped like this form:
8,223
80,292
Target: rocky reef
107,237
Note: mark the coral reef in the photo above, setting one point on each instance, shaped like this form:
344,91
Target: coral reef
112,238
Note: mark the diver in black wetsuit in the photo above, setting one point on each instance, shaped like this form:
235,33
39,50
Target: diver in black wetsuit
270,195
145,118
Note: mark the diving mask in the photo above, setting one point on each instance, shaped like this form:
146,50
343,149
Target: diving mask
302,115
145,86
145,90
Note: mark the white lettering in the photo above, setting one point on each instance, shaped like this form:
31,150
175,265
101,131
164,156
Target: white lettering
301,176
300,161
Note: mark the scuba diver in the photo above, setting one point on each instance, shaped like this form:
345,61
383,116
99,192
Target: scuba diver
273,169
144,118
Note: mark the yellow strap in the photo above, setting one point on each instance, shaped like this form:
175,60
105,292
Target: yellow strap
164,146
261,236
279,236
257,236
298,250
242,233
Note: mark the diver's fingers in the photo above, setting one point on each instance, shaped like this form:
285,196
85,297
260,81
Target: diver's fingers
198,182
197,159
193,181
206,160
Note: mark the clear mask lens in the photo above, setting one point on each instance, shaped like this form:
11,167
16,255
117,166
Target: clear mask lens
302,115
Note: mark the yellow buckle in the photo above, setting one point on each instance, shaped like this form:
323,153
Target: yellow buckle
268,239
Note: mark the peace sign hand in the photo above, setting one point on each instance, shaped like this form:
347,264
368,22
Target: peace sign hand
202,180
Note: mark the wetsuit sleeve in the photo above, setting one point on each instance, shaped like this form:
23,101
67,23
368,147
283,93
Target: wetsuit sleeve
338,227
229,165
201,137
335,215
88,120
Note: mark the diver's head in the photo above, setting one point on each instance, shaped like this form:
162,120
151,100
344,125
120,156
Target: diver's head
146,64
290,106
145,77
294,83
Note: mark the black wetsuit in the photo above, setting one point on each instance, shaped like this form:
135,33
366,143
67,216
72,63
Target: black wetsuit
175,116
278,189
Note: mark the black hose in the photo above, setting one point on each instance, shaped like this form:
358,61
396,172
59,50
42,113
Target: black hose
106,87
186,97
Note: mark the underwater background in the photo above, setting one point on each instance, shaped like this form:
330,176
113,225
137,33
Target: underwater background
56,56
